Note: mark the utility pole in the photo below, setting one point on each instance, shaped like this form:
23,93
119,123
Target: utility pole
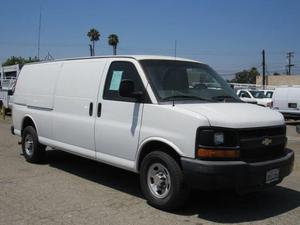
263,68
39,34
49,57
290,55
175,49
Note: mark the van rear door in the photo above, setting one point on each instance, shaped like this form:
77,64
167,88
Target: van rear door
293,99
280,99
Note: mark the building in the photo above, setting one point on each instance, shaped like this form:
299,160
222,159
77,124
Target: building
277,80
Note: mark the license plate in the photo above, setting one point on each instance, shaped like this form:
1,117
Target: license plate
272,175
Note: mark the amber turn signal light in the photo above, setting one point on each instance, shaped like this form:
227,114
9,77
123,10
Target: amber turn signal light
217,153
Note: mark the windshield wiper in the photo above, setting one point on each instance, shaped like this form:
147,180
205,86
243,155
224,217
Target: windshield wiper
186,96
223,97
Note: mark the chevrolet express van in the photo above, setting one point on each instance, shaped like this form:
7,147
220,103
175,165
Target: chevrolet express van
287,101
174,121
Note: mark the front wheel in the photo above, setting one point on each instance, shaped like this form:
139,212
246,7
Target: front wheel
162,181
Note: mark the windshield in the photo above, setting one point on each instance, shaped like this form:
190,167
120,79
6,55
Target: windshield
269,94
180,80
258,94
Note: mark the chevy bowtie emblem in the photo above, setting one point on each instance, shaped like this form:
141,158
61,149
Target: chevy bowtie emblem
266,141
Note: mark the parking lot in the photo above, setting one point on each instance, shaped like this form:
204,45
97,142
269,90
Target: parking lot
67,189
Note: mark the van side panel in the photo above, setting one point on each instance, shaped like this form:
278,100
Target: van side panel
36,85
33,96
76,89
286,100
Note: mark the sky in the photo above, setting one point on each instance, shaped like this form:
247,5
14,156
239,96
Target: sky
229,35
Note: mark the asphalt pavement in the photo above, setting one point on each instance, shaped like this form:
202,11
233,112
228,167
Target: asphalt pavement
67,189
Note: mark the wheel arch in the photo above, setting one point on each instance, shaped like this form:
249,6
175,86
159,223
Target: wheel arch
155,143
27,121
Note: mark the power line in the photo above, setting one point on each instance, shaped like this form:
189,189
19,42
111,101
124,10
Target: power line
39,34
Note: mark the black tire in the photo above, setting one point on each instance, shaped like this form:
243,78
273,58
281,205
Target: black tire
178,191
2,108
37,151
298,128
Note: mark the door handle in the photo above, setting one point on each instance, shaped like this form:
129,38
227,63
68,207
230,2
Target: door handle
99,109
91,109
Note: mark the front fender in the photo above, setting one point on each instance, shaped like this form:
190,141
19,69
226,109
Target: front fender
158,139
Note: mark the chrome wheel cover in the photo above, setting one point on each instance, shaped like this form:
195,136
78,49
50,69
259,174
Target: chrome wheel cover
158,180
28,145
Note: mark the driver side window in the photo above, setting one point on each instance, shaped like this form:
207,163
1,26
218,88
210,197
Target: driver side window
118,71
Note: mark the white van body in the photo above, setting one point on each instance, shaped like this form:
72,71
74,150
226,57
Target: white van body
287,101
64,102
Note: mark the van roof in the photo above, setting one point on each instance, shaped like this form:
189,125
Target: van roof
137,57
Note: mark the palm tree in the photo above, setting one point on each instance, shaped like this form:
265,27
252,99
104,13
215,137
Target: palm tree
113,40
94,36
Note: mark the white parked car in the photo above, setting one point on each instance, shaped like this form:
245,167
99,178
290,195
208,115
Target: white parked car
175,122
287,101
268,93
250,96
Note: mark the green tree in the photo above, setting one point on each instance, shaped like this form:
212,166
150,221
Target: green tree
94,36
13,60
246,76
113,41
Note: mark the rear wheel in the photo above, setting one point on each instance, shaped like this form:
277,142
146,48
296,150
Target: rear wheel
162,181
33,151
2,110
298,128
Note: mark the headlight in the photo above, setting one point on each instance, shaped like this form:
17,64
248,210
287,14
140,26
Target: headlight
219,138
217,143
222,137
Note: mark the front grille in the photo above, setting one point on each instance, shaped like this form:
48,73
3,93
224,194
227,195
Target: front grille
261,132
260,144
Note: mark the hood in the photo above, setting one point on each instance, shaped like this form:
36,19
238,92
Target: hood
235,115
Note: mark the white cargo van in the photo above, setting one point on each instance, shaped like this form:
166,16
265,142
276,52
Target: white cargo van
287,101
174,121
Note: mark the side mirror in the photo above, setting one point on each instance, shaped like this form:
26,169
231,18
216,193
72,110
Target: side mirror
127,90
